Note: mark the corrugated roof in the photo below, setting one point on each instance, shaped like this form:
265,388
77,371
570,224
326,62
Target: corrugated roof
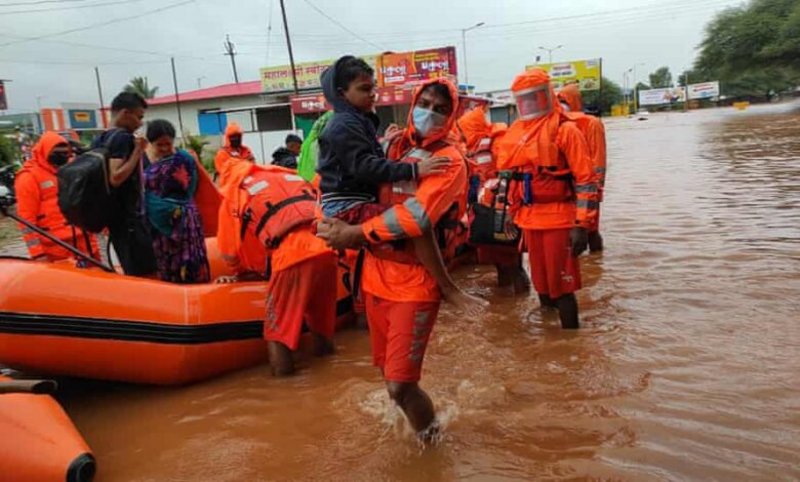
225,90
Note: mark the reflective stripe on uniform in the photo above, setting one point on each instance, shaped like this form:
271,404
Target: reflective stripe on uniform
600,170
586,188
586,204
418,213
393,224
33,242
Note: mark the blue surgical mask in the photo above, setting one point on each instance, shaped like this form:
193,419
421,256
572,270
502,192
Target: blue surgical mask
426,120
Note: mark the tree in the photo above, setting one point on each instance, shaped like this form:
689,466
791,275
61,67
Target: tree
752,50
139,85
661,78
603,100
642,86
8,152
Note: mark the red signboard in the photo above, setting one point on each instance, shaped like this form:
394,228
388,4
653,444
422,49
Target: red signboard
310,103
418,66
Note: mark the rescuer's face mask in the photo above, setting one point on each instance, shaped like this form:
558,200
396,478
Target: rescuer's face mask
427,121
534,102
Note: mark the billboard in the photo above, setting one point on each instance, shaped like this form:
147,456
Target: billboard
417,66
279,79
704,90
585,72
3,101
310,103
662,96
82,118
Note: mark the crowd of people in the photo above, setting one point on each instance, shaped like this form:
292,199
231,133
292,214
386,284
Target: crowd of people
398,208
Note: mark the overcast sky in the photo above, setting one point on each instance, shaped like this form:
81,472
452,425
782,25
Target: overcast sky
51,53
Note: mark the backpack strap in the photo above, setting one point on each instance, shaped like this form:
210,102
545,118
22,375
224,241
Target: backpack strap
272,210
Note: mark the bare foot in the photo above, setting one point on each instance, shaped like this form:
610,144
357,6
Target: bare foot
471,305
430,436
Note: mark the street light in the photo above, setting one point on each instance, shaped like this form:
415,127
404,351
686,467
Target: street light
464,47
550,52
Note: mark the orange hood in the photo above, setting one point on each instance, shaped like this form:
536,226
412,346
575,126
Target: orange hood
41,151
571,95
446,133
232,130
474,127
539,134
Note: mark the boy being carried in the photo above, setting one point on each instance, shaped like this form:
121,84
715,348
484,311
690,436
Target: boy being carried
352,165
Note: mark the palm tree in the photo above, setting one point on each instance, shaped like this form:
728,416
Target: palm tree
139,85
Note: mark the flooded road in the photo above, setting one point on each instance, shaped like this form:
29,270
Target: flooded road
686,367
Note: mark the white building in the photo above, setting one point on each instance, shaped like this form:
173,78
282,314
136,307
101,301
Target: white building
265,119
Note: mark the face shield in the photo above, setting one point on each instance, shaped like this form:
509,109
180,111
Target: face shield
534,102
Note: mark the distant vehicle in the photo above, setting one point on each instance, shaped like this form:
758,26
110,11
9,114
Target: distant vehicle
642,114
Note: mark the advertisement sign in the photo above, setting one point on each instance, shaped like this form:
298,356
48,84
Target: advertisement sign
82,119
585,72
310,103
662,96
704,90
279,79
418,66
3,102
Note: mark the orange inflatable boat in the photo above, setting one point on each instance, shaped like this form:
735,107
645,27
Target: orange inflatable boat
57,319
39,443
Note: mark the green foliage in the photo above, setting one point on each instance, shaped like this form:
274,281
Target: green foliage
661,78
8,151
752,50
140,85
603,100
198,144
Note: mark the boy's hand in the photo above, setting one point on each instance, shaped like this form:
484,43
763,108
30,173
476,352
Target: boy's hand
140,142
434,165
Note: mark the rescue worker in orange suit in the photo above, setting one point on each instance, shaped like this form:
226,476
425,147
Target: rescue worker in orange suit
265,232
232,145
555,193
36,188
481,140
402,298
595,134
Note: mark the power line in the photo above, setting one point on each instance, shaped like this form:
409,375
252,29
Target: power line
336,22
39,2
76,7
96,25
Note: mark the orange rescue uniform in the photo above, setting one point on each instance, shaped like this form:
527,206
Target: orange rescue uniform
556,188
302,270
402,299
36,188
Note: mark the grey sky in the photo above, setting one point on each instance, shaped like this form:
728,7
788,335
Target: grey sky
61,67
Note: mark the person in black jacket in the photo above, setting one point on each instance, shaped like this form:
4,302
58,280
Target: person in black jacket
287,156
352,166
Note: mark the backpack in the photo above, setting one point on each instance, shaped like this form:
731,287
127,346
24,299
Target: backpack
84,192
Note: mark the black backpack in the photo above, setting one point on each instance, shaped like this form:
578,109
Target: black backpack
84,192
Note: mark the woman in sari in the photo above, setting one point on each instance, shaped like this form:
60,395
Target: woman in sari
170,179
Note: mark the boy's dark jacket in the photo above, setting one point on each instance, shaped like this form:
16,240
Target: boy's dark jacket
351,161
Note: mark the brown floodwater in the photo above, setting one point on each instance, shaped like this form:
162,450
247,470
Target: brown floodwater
687,366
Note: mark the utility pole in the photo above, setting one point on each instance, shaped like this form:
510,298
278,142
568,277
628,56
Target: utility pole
289,45
100,95
464,47
200,82
177,98
686,89
230,51
550,52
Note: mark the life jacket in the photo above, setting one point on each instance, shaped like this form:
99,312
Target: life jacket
482,167
448,230
279,202
546,180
